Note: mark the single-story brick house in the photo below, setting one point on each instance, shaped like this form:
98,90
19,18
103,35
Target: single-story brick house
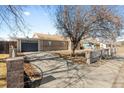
45,42
42,42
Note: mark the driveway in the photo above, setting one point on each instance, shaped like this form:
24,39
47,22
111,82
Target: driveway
60,73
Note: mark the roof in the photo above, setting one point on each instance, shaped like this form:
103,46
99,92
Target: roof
6,40
49,37
26,39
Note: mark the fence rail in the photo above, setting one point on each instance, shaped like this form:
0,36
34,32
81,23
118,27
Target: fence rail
93,56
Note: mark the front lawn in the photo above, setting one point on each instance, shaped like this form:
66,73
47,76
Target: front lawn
3,70
2,56
2,74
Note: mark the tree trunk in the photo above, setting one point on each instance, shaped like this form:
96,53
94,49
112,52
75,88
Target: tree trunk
74,46
73,52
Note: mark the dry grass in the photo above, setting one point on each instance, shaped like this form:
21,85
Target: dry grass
3,70
2,83
2,56
79,57
2,74
31,71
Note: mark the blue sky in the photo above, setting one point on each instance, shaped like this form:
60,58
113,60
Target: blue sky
39,20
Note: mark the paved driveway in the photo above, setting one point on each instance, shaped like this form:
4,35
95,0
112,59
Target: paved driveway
63,73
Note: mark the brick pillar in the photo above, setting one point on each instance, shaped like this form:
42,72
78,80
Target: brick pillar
109,52
88,57
115,50
69,45
39,47
15,72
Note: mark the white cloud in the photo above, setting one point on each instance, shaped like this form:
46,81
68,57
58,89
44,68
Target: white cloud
45,14
27,13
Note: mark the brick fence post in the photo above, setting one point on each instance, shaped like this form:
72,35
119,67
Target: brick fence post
115,51
88,57
15,72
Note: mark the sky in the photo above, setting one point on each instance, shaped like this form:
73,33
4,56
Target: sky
39,20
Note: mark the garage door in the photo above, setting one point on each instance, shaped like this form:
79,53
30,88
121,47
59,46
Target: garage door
29,47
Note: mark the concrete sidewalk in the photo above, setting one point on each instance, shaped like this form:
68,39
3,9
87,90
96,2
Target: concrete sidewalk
103,77
107,74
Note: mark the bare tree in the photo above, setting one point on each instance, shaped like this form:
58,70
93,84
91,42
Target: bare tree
76,22
70,21
12,17
108,24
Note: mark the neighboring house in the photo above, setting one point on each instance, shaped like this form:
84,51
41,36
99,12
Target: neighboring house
90,43
96,43
106,43
42,42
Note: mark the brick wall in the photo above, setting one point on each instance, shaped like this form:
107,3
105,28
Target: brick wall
15,72
50,45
